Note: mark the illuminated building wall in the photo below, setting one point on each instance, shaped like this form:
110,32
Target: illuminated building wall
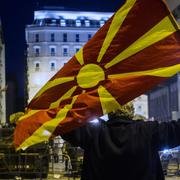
2,79
141,105
53,38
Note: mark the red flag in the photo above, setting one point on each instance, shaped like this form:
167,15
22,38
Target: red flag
136,49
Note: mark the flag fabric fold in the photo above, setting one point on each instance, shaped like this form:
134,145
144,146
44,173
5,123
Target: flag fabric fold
136,49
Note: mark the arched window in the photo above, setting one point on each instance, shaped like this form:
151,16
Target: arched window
37,65
52,65
65,50
37,50
52,50
77,48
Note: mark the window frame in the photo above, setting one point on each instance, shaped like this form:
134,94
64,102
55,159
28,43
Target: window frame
52,37
37,66
65,37
77,37
37,37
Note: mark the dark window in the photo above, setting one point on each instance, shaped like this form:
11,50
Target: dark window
52,66
89,36
77,37
139,108
52,37
52,51
37,66
37,51
37,37
65,37
77,49
65,52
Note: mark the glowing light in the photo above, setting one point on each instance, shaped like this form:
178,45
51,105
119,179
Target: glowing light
71,14
95,121
46,133
165,151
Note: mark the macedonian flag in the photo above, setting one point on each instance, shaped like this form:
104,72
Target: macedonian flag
137,48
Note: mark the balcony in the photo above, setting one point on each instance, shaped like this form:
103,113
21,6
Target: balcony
53,53
37,54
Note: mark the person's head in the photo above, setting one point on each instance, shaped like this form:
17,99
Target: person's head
125,111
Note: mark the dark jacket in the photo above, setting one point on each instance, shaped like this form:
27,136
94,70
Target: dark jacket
124,149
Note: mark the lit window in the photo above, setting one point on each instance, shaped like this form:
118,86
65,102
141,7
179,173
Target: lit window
63,22
52,37
77,37
89,36
65,51
65,37
87,23
40,22
53,21
37,37
102,23
78,23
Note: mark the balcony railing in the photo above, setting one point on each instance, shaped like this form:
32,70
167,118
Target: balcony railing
49,55
67,25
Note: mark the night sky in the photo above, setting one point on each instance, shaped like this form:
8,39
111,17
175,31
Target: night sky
16,14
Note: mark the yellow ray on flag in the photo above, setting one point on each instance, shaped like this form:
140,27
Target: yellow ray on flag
160,31
160,72
45,131
68,94
79,56
29,114
115,25
108,102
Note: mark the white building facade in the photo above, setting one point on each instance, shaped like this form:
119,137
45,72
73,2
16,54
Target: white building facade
2,79
53,38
